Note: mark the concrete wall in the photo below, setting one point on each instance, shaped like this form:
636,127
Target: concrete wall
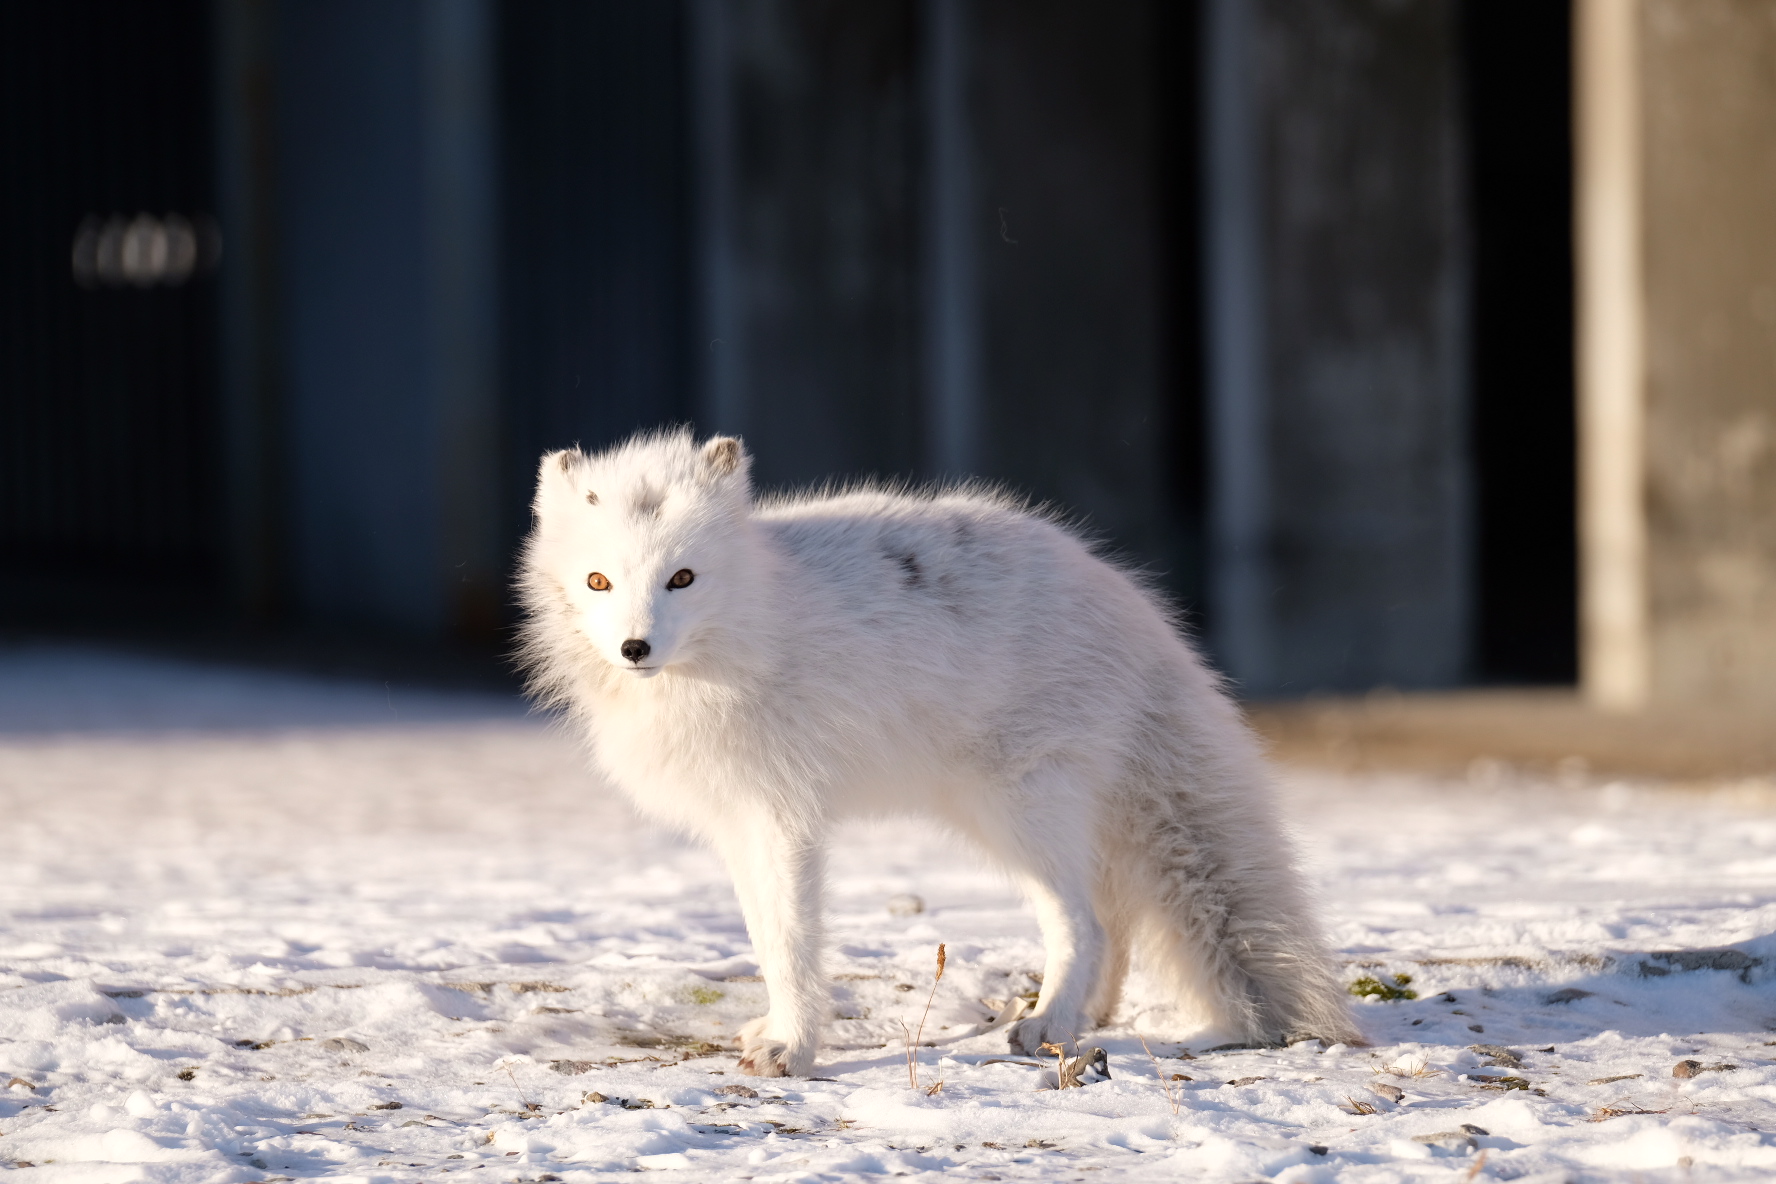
1709,209
1677,304
1336,244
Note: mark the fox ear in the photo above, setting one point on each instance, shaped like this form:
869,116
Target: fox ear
554,470
562,460
723,456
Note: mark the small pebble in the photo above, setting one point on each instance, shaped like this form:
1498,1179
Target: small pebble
1089,1069
1568,995
905,904
1452,1139
1694,1068
1500,1055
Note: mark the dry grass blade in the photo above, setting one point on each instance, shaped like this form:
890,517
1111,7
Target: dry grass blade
1359,1107
1416,1068
1617,1111
1479,1165
1060,1064
529,1106
1171,1098
913,1039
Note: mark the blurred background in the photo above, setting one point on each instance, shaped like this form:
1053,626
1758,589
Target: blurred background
1415,345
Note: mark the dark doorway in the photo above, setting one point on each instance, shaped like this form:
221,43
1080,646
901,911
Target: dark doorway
1516,58
107,380
1177,49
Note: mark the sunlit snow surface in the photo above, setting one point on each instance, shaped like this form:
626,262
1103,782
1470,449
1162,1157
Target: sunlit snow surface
254,926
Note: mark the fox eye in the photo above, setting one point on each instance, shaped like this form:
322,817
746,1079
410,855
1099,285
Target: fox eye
681,578
597,582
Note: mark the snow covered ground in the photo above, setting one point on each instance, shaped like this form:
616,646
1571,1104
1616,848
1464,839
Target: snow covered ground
255,926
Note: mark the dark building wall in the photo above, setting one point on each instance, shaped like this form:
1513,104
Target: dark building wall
459,241
810,155
386,425
1338,232
893,237
932,246
596,230
899,237
359,431
1077,401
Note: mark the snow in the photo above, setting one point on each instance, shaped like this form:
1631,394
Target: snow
256,926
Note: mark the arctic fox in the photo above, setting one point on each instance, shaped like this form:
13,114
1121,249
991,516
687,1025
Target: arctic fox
752,672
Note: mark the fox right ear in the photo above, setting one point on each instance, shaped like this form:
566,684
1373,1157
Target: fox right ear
563,460
555,474
724,456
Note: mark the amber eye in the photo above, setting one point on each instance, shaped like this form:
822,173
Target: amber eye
597,582
681,578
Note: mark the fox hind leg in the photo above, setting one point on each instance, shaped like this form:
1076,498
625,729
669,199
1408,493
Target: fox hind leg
1075,942
1036,838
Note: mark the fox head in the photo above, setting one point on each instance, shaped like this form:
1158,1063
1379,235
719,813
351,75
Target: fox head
643,551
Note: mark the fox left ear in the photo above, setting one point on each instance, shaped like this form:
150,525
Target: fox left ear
723,456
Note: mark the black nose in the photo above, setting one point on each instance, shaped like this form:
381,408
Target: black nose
635,649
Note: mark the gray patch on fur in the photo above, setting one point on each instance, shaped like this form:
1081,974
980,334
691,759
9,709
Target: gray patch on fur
909,563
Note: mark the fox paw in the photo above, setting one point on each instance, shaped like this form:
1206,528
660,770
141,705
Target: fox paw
1027,1036
765,1058
764,1055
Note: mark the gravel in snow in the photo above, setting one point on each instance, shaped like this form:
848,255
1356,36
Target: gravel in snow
256,927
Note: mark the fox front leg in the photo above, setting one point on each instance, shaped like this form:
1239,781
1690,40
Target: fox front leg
778,875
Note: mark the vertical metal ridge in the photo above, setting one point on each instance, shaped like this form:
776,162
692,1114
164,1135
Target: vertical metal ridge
1237,406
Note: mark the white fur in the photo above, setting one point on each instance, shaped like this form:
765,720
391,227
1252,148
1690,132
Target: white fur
946,653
